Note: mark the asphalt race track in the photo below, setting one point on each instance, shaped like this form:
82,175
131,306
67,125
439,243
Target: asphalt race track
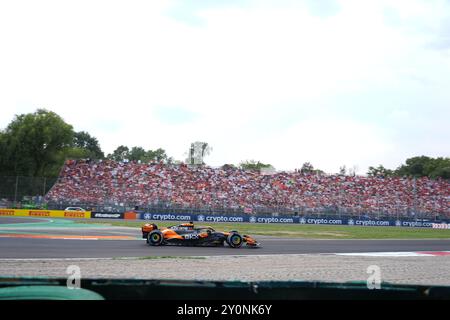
133,246
47,248
8,220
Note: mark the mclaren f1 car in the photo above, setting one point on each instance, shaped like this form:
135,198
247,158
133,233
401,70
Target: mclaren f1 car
187,234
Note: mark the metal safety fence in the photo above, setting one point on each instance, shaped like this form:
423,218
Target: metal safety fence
24,191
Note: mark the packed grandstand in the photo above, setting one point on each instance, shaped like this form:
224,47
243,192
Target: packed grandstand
97,183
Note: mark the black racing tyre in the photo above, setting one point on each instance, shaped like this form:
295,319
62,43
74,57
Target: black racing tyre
226,239
235,240
155,238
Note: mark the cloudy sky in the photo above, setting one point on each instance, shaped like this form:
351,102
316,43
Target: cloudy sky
332,82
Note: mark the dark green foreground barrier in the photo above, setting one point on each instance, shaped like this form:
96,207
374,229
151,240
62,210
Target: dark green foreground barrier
44,288
46,292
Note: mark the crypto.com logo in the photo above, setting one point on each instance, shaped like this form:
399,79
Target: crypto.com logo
147,216
374,280
74,279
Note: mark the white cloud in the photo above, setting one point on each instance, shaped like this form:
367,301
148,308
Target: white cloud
327,143
108,67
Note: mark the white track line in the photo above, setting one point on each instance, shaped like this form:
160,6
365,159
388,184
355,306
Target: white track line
397,254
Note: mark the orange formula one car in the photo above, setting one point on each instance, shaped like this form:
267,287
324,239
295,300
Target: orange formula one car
187,235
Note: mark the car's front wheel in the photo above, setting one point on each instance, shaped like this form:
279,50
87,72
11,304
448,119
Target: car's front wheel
235,240
155,238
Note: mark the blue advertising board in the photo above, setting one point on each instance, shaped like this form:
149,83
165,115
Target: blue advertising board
294,219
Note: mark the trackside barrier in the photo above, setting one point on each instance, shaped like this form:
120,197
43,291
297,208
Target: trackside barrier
296,220
44,213
131,215
181,290
442,224
107,215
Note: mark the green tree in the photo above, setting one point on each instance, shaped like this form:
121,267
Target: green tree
120,154
33,144
83,140
439,167
3,152
158,155
307,167
424,166
254,165
442,172
228,166
137,154
414,167
379,171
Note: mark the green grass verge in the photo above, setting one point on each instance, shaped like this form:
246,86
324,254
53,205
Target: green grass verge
307,231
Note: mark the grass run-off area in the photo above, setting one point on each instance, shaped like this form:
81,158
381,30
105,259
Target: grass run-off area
306,231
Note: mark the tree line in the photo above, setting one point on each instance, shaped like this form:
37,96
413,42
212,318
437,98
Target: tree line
37,144
416,167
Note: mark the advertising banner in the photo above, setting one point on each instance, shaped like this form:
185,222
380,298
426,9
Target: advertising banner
45,213
294,220
170,217
106,215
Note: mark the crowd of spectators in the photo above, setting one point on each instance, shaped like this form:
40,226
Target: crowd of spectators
106,182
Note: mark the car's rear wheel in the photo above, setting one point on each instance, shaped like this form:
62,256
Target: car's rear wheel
155,238
235,240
